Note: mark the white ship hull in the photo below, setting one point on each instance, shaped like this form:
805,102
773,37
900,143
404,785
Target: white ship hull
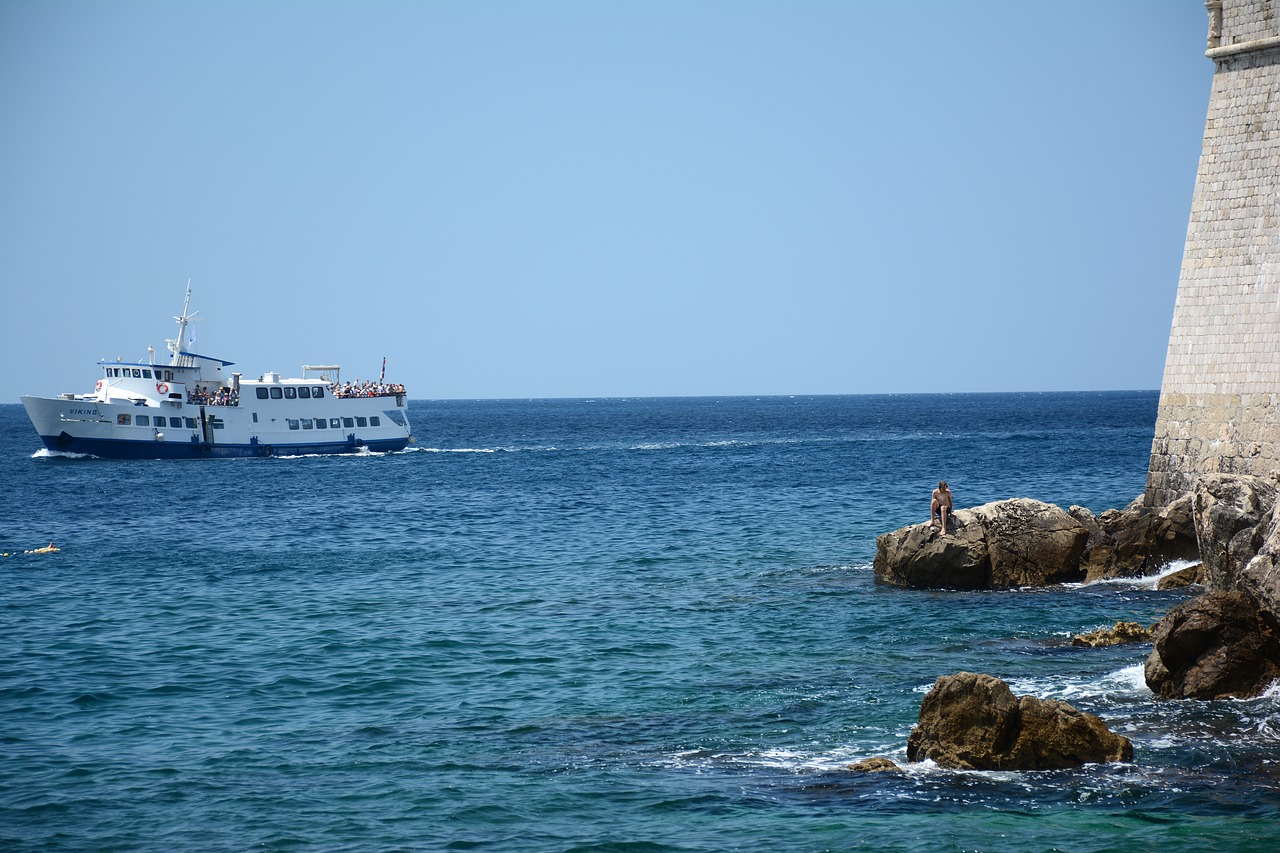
96,428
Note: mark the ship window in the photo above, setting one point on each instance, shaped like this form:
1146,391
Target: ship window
304,392
348,422
143,420
290,393
262,393
293,423
362,421
317,392
307,424
373,421
146,374
394,416
255,417
191,423
122,420
321,423
175,423
276,394
334,423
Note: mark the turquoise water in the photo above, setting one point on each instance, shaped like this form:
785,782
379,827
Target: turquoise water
624,625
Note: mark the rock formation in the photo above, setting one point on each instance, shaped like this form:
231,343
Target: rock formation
873,765
1182,578
1122,632
1213,646
1229,514
1216,646
974,722
1226,642
1024,542
1136,540
1001,545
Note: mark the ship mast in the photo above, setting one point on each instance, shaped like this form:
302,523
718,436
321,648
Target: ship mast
177,345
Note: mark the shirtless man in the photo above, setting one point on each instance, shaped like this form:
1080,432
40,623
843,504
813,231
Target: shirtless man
941,507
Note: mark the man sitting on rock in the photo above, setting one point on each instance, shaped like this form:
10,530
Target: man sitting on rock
941,507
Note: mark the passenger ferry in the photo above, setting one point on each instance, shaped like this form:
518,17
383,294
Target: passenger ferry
193,407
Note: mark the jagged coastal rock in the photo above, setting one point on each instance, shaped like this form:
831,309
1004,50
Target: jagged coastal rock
1182,578
1000,545
1225,643
1025,542
970,721
1137,540
1237,515
1216,646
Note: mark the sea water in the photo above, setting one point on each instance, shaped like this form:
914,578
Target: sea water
614,624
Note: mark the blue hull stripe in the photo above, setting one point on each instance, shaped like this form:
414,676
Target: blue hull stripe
115,449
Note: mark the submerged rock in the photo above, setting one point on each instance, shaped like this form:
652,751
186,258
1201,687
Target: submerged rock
1000,545
970,721
873,765
1121,632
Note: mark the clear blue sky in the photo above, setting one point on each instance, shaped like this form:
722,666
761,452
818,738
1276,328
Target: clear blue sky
563,199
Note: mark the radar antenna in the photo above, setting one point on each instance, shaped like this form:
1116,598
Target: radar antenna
177,345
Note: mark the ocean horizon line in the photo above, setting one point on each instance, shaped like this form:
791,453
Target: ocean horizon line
782,396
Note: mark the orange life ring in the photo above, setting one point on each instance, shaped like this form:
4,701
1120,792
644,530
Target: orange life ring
162,388
99,385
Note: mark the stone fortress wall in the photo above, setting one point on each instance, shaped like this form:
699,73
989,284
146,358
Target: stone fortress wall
1220,397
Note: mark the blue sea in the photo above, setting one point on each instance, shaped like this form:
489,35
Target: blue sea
582,625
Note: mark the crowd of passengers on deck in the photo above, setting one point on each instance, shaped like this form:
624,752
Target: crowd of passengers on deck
222,396
365,389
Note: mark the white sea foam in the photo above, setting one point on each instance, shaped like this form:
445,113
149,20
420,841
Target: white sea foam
46,453
1144,582
1127,682
789,760
363,451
